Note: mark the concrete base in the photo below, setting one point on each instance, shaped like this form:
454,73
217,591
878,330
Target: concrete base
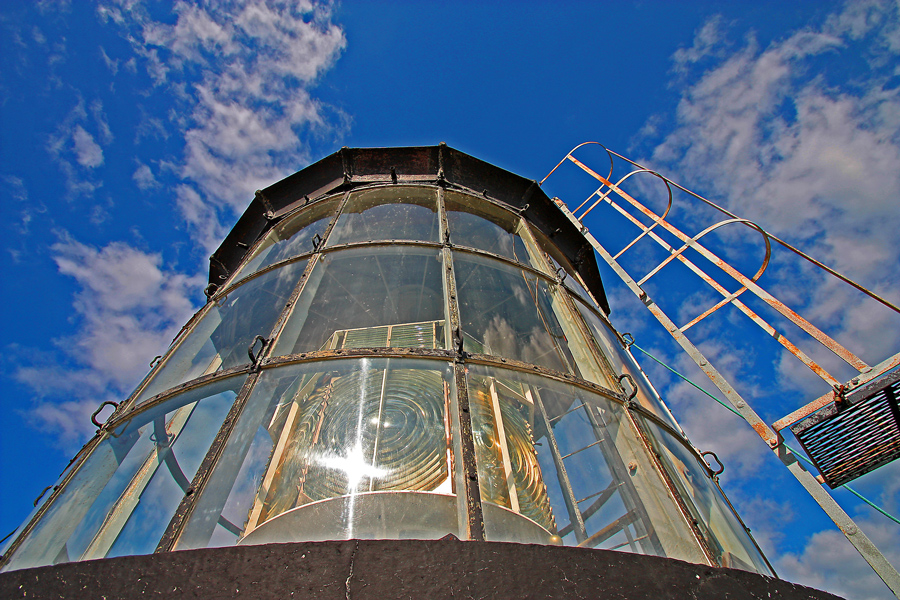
385,569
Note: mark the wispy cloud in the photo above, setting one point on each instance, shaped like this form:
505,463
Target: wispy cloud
128,309
708,42
773,135
144,178
243,72
780,134
238,78
829,562
75,148
814,160
87,152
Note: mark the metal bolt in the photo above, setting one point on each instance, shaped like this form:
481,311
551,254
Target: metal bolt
740,404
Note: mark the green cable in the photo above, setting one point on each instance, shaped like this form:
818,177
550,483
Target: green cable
798,454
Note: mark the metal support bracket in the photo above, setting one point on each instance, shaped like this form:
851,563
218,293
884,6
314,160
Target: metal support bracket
94,420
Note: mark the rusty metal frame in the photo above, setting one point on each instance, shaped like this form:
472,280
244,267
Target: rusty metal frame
66,476
474,525
471,491
114,421
186,506
632,408
441,165
770,434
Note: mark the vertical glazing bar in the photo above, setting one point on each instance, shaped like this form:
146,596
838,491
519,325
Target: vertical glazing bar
470,511
472,491
72,469
630,499
169,537
295,295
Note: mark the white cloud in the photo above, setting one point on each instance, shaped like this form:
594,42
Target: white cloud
239,74
815,162
128,309
55,6
103,130
87,151
38,36
76,151
707,42
242,72
201,217
782,135
112,65
829,562
144,177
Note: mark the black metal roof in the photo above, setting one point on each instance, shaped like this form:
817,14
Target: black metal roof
442,165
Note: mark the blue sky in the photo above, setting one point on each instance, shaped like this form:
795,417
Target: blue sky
132,136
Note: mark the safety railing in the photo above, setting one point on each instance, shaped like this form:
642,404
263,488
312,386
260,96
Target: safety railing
611,193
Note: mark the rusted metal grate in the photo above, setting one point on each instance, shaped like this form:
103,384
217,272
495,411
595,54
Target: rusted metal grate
849,440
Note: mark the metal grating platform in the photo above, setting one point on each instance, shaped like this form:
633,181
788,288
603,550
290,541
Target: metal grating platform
848,441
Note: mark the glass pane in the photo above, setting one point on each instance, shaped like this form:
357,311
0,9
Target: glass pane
623,362
124,495
560,265
559,465
296,235
388,213
369,297
729,541
336,450
508,312
478,224
221,338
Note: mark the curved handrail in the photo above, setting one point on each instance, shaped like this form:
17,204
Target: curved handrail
608,152
783,243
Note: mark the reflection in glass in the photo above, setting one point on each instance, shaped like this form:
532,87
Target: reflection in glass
388,213
478,224
623,363
724,533
553,453
122,498
562,267
337,439
371,297
221,337
296,235
505,311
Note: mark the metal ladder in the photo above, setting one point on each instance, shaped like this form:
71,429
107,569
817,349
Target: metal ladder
825,425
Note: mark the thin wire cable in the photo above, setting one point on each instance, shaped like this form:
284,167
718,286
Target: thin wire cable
798,454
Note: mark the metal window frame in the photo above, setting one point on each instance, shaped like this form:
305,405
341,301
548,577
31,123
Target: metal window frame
470,496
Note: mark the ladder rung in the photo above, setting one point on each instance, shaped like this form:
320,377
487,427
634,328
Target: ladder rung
580,449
